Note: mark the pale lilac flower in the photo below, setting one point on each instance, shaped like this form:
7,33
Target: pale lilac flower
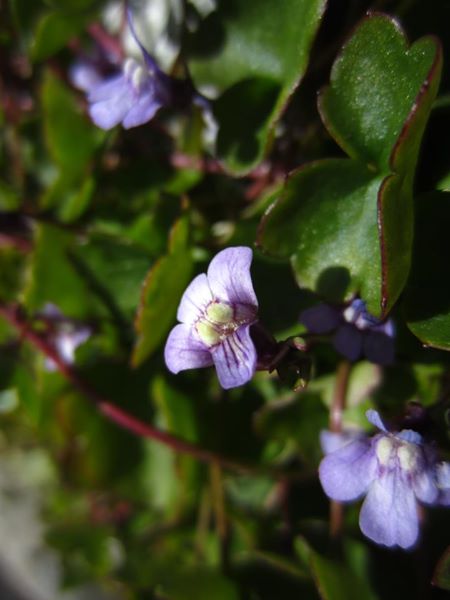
356,332
215,314
395,470
133,95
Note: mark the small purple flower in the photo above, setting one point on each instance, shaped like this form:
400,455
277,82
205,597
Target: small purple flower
131,96
356,332
215,314
394,470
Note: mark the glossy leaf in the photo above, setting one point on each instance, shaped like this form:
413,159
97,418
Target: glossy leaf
161,294
241,42
347,224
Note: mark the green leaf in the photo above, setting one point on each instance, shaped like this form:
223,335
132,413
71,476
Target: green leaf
239,46
243,112
161,293
347,225
54,30
334,579
374,85
113,270
199,584
70,137
441,577
427,297
52,277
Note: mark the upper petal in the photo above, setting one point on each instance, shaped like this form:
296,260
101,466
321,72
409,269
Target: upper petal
373,416
229,276
235,358
322,318
195,299
347,473
330,441
389,513
348,340
183,351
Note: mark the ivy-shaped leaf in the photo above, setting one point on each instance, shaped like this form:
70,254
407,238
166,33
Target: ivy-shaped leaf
347,224
239,49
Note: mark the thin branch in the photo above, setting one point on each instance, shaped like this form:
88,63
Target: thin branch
337,408
15,317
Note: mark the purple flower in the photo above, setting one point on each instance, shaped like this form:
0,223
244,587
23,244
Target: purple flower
131,96
215,314
356,332
394,470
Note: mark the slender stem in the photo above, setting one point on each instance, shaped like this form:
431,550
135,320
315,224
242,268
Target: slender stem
339,396
337,408
15,316
218,503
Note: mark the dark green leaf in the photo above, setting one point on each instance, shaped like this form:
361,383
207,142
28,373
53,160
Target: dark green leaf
161,293
70,137
53,31
52,277
240,43
334,579
199,584
347,224
374,86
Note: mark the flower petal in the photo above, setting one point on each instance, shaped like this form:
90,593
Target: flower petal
229,276
443,483
348,341
424,485
106,88
321,318
142,111
183,351
389,513
330,441
373,416
110,112
235,358
347,473
379,348
194,300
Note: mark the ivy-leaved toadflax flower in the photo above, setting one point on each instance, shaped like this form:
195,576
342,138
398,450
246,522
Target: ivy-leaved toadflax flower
395,471
355,331
133,95
216,313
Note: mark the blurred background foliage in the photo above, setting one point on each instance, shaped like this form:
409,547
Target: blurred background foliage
110,227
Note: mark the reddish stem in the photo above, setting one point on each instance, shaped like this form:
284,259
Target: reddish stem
337,408
15,316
